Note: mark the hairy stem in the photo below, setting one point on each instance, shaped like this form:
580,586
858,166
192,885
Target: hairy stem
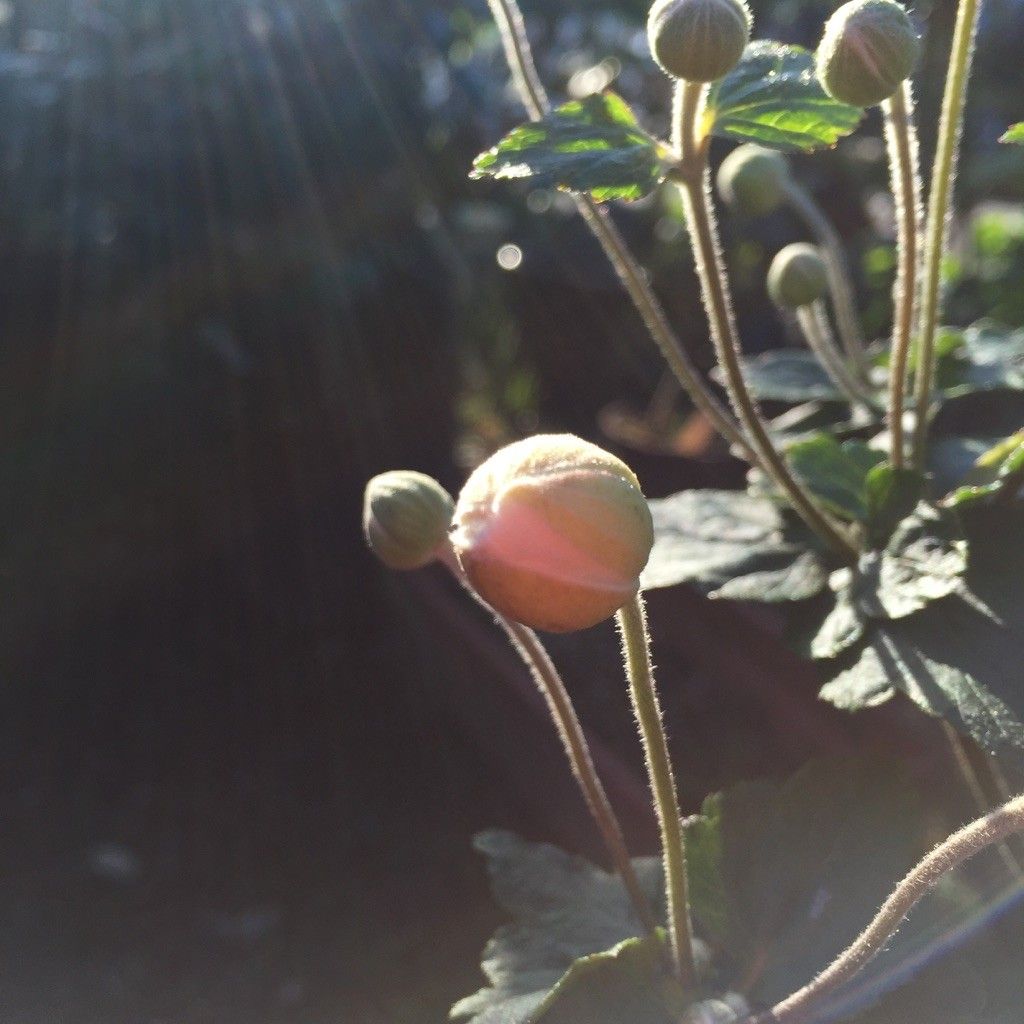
516,45
563,714
901,138
961,846
636,650
939,200
817,332
694,181
840,288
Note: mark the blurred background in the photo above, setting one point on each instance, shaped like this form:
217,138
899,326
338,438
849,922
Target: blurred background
241,270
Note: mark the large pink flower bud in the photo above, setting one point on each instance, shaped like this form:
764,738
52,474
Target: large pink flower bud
553,532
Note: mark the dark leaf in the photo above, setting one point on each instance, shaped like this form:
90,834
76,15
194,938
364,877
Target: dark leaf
593,145
787,375
731,545
773,97
960,657
991,357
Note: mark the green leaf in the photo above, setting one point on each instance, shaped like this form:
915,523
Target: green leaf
999,467
835,473
562,908
625,984
959,657
773,97
784,875
786,375
732,545
1015,134
890,494
593,145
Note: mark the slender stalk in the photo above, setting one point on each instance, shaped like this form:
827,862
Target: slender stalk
694,181
516,45
817,332
939,200
839,285
961,846
901,138
563,713
636,649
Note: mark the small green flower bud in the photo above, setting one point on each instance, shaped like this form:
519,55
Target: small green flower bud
406,517
553,532
868,50
752,180
797,276
698,40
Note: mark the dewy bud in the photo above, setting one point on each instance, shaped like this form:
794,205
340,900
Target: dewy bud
406,517
698,40
553,532
752,180
869,48
797,276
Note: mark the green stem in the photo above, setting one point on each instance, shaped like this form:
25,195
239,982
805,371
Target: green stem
939,199
563,714
632,621
516,45
901,139
694,181
961,846
817,332
840,288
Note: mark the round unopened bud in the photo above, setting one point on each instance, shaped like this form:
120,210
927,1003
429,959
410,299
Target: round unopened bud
797,276
406,517
869,48
752,180
553,532
698,40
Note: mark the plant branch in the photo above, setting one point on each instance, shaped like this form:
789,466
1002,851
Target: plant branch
961,846
840,288
939,201
901,139
563,713
817,332
636,649
694,181
634,279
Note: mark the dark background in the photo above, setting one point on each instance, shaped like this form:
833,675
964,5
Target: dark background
241,270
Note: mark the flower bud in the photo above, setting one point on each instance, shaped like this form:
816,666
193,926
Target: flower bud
797,276
406,517
698,40
869,48
553,532
752,180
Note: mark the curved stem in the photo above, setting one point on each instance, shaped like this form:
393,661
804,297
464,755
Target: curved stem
516,45
901,139
939,199
632,622
817,332
840,288
563,713
694,181
959,847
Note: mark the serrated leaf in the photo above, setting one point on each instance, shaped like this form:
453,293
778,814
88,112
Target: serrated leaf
1014,134
627,983
773,97
959,657
786,375
593,145
796,868
562,908
732,545
835,473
